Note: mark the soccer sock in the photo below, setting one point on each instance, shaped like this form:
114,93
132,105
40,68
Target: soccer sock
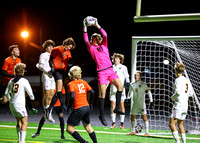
146,127
53,101
23,136
133,123
77,136
62,124
60,96
122,118
176,137
118,98
113,117
93,137
42,120
18,132
183,138
101,106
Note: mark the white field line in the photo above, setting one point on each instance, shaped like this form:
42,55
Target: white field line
102,132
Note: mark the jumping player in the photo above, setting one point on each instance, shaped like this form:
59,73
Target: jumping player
81,109
98,49
47,77
59,59
122,72
182,90
137,94
15,94
59,112
8,71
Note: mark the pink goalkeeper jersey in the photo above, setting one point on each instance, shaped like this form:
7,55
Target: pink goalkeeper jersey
100,53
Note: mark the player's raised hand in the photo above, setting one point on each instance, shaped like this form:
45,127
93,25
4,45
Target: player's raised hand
96,24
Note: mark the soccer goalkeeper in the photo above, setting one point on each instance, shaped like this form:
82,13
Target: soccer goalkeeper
137,94
98,49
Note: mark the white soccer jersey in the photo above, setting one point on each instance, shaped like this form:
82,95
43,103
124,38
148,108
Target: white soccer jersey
182,90
44,62
137,94
122,72
15,93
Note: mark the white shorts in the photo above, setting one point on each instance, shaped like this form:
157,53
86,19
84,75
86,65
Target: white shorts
181,115
18,111
113,98
48,83
135,110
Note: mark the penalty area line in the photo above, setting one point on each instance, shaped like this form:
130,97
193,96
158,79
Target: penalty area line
102,132
9,140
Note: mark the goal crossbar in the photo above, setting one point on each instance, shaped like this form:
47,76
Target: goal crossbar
167,17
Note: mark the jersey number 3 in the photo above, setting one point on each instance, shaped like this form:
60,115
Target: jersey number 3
81,88
15,88
186,88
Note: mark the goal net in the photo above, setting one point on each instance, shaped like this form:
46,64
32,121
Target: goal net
155,57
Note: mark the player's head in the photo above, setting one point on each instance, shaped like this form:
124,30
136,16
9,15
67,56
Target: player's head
48,45
69,44
179,68
14,50
19,69
75,73
138,75
96,39
117,58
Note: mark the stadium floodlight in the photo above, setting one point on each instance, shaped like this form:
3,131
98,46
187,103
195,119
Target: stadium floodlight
24,34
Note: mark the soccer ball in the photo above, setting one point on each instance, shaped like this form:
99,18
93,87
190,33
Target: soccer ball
90,21
138,128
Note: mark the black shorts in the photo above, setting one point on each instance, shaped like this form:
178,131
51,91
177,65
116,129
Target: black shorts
80,114
59,74
58,109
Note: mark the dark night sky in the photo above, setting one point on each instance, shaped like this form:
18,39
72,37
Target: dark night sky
59,20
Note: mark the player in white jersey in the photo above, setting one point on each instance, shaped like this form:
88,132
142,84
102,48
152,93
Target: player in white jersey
136,93
122,72
15,95
182,90
47,78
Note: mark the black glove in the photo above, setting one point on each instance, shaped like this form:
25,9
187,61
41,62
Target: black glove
69,109
151,106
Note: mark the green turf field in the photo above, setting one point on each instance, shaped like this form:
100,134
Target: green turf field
51,134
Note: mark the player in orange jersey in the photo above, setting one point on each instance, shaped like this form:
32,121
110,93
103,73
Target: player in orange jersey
59,112
81,109
8,71
59,60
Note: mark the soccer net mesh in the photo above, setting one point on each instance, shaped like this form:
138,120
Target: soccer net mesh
148,57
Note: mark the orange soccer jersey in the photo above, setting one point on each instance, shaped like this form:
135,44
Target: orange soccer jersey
60,58
8,65
80,87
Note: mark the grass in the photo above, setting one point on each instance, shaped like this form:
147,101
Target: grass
51,134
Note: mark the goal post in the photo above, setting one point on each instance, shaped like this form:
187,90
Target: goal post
149,54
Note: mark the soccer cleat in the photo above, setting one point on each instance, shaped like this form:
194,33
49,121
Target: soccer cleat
33,111
50,118
113,125
63,137
121,125
35,135
103,120
146,135
118,111
131,134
